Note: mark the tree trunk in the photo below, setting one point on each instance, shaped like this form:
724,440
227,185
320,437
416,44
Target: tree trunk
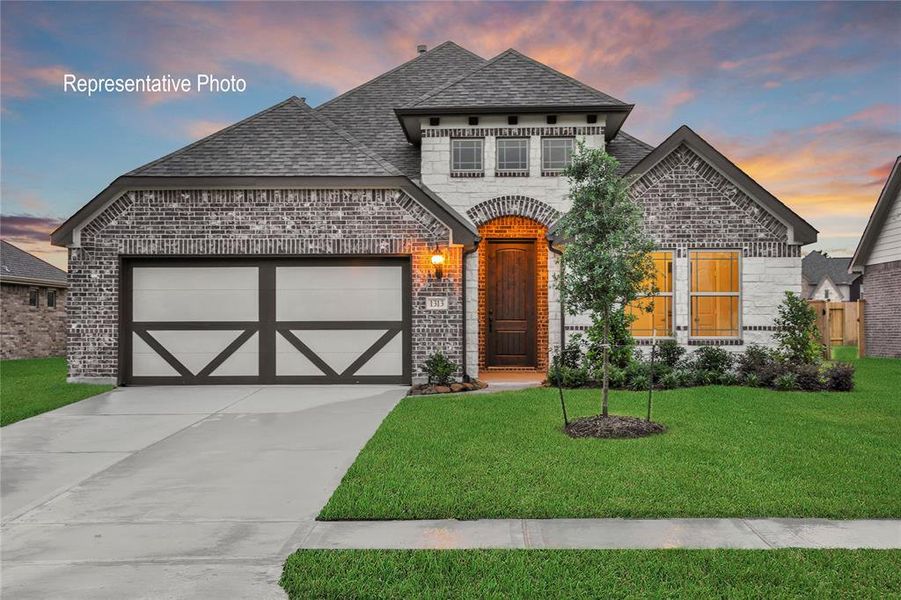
606,387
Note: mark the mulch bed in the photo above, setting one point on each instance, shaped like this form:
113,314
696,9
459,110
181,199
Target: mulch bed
425,389
613,426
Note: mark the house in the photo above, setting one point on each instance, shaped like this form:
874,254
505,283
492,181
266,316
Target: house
827,278
412,214
33,300
878,257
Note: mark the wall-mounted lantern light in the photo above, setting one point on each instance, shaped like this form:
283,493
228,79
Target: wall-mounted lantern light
438,262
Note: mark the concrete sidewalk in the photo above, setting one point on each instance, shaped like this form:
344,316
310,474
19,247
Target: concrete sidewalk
605,534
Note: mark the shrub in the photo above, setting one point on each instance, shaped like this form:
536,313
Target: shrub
728,379
808,377
440,369
704,377
754,360
568,377
786,382
639,382
840,377
685,377
571,356
670,380
712,358
621,342
751,380
616,377
771,372
636,369
796,331
670,353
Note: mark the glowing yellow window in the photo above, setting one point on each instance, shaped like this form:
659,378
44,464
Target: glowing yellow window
715,293
659,321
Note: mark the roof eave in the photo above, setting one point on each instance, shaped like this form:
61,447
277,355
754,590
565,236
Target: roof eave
875,222
35,281
621,111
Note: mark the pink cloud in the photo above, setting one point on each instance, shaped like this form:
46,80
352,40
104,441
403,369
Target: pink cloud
202,128
32,234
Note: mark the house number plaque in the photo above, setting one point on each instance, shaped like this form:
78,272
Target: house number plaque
436,303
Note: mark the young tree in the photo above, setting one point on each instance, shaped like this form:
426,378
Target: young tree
796,331
606,257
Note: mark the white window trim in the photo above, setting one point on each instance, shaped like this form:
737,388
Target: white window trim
671,294
497,154
738,294
465,139
554,137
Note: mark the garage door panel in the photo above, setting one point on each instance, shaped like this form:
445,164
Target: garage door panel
267,320
243,362
387,361
147,363
196,349
290,360
339,293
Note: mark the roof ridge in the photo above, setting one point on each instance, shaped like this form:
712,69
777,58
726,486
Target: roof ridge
562,75
347,136
398,68
37,258
443,87
215,134
504,54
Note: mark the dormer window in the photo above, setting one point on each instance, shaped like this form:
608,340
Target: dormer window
556,154
466,157
512,156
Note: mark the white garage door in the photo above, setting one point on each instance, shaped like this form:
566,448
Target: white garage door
199,321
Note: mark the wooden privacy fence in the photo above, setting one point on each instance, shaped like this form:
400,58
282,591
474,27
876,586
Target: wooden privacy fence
840,324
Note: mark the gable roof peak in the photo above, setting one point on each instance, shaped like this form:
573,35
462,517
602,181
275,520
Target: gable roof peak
802,231
887,197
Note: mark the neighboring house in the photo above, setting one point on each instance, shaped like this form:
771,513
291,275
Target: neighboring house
412,214
878,257
827,278
33,302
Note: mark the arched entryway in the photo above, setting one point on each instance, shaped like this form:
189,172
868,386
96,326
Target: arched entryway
513,294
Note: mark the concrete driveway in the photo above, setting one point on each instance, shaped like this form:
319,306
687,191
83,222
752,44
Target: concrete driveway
175,492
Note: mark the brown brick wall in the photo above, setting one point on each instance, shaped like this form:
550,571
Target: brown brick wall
514,227
31,331
257,222
882,309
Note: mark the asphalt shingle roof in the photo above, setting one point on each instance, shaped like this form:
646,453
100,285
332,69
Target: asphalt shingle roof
16,263
289,139
367,111
512,79
815,266
628,150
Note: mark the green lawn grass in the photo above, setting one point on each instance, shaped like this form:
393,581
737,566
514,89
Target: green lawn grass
771,574
34,386
844,353
729,451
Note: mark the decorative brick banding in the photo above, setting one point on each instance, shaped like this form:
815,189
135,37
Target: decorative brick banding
257,222
438,132
516,227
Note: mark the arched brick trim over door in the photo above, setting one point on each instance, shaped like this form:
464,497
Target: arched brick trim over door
517,206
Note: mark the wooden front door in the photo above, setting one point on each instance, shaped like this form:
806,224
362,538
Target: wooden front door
511,295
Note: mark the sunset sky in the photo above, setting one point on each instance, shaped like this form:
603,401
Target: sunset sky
806,97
